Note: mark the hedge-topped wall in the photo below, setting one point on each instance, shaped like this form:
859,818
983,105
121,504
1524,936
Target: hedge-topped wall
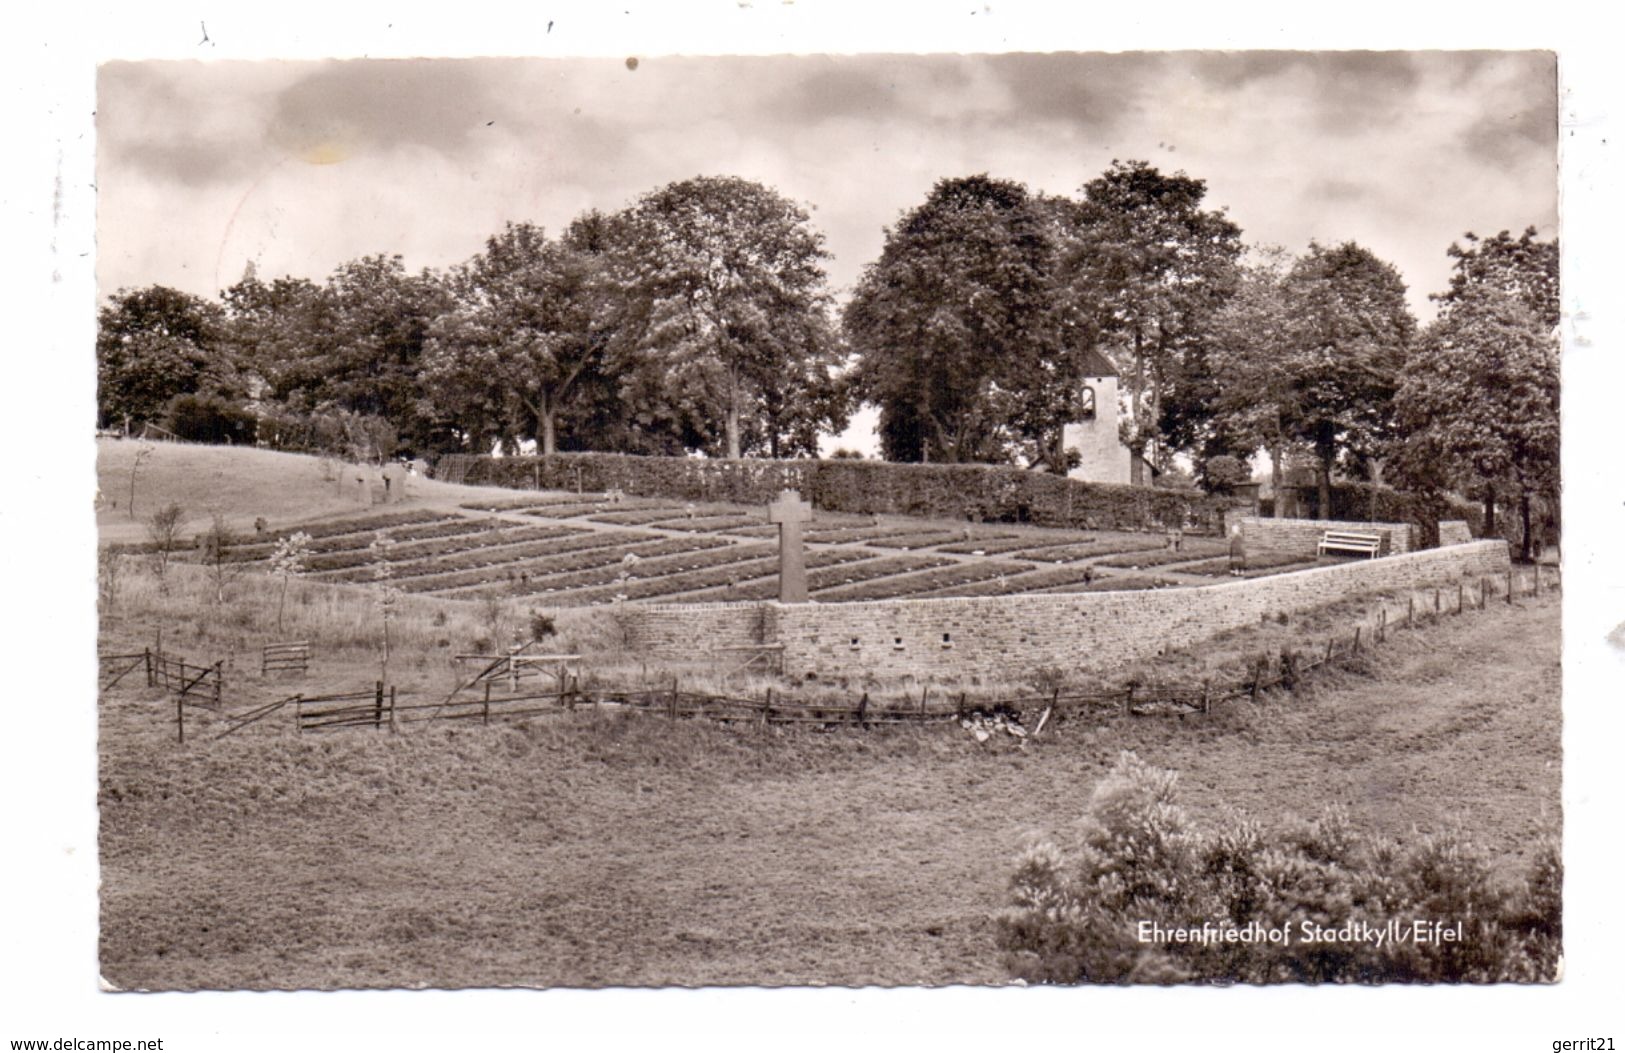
1360,500
973,492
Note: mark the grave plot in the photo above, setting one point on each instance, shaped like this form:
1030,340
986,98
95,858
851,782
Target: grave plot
744,580
927,581
828,568
1090,549
859,534
651,578
517,504
338,535
476,533
579,541
1190,553
638,516
1011,585
738,524
998,544
523,570
919,539
463,552
596,506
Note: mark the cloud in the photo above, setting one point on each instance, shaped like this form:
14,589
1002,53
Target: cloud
1519,124
200,163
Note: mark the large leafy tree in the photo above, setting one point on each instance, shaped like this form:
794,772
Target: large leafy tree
1350,330
381,316
1478,411
958,327
518,339
1523,267
280,330
153,344
723,296
353,344
1253,399
1151,266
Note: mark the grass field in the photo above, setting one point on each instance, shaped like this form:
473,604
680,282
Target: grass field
626,850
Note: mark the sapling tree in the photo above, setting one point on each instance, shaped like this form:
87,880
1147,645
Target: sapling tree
287,563
107,577
164,529
494,616
143,453
389,594
216,547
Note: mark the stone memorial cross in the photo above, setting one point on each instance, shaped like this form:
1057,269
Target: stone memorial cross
790,511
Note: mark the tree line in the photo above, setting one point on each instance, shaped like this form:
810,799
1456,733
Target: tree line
699,319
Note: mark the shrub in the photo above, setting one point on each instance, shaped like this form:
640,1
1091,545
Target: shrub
1220,474
211,419
1079,918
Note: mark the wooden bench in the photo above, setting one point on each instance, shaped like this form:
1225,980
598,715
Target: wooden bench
1350,541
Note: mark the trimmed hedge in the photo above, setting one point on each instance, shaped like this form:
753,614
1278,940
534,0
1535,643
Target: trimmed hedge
972,492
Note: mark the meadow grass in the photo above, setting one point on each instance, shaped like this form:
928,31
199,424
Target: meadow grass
603,848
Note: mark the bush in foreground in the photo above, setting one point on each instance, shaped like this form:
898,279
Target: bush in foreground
1149,898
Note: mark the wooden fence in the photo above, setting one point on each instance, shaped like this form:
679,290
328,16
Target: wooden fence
194,685
375,709
112,668
475,699
282,658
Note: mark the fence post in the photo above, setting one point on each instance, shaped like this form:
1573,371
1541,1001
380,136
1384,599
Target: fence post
671,705
1509,586
180,719
377,704
863,707
767,705
1382,623
1410,611
1128,696
1207,703
1357,639
486,710
391,707
1437,608
1330,642
217,667
1461,596
146,653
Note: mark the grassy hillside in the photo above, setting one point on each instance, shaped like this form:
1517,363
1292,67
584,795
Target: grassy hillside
239,482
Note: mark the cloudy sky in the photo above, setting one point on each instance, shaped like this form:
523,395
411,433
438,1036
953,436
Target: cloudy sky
298,166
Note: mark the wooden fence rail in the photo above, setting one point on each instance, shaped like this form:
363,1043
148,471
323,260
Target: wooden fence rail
375,708
285,658
114,667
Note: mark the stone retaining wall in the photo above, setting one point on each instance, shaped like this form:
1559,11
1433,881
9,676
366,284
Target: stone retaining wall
1301,537
1454,532
1001,637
